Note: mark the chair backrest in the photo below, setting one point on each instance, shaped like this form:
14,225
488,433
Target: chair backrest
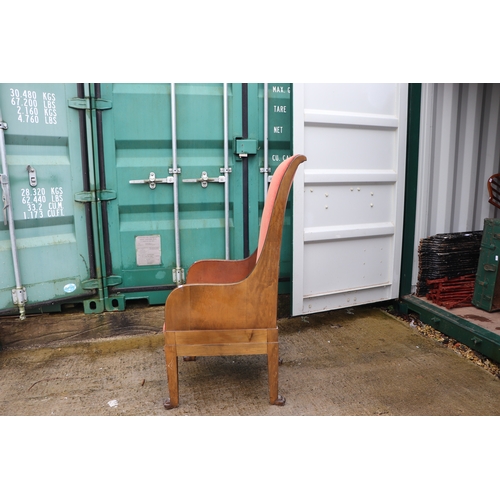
272,194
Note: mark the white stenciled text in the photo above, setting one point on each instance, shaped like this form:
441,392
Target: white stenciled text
49,108
40,203
28,105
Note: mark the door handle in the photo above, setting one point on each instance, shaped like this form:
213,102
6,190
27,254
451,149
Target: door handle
153,180
205,179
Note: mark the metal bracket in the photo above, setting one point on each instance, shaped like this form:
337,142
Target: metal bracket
19,296
4,126
153,180
245,147
267,171
178,276
5,196
32,176
205,179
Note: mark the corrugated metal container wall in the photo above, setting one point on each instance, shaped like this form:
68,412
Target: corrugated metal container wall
48,168
118,188
161,154
459,151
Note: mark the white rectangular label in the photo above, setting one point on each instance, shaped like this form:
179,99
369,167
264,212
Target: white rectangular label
148,250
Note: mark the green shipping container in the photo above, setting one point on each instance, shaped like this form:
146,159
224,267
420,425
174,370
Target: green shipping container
48,165
144,179
487,287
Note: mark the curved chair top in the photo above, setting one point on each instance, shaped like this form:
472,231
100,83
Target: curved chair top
272,194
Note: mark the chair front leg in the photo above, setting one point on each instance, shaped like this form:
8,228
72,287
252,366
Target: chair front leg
172,376
272,368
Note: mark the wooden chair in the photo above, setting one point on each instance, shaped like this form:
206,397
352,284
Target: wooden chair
229,307
494,190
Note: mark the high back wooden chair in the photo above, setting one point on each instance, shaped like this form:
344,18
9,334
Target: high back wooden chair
229,307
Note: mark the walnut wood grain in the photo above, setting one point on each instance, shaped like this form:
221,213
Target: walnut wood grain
230,307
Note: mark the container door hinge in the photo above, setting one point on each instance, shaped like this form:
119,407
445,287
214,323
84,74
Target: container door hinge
112,280
93,284
90,196
245,147
89,103
90,284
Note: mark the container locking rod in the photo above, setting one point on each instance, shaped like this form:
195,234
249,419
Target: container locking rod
19,293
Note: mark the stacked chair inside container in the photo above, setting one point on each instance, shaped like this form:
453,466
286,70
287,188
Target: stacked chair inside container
494,190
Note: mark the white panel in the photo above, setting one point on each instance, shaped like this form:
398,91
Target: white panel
347,264
334,145
345,204
459,151
364,98
348,196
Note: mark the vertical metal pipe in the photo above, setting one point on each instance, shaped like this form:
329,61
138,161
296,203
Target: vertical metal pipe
19,291
266,143
226,171
175,185
244,130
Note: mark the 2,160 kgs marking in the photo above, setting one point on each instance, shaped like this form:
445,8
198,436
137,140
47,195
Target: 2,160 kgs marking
26,104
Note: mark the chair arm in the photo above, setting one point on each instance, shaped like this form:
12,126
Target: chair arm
220,271
220,306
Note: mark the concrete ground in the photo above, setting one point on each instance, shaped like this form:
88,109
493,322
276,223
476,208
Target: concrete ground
358,361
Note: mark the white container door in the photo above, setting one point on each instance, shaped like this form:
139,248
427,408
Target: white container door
349,195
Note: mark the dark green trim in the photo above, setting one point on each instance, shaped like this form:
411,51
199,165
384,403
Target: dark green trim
469,334
410,205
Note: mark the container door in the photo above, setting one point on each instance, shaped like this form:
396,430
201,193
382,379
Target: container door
180,169
49,177
348,196
161,164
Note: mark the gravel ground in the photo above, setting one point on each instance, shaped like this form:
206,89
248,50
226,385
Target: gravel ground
448,342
